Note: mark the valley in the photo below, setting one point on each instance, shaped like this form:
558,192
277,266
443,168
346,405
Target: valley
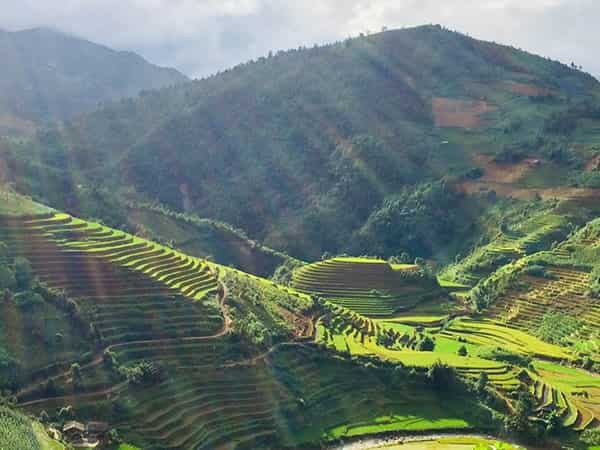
397,249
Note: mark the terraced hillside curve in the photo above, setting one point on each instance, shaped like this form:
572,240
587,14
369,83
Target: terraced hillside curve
370,287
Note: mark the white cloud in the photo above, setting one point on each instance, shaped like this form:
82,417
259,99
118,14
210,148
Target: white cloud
202,36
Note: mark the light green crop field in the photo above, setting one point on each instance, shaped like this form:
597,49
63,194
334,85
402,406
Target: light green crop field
386,424
489,332
46,443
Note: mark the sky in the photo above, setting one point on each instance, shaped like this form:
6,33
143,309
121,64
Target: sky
201,37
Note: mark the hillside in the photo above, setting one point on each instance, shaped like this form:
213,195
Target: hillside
391,236
303,159
48,75
175,351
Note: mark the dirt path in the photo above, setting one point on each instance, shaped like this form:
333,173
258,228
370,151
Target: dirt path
72,398
509,190
381,442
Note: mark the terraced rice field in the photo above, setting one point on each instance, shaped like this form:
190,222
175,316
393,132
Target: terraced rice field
374,406
362,341
127,296
525,308
531,236
575,394
208,407
491,333
369,287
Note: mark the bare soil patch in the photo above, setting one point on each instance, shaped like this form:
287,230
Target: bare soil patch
454,113
495,172
508,190
593,164
530,90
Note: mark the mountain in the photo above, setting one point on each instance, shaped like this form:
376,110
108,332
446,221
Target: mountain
48,75
131,312
372,145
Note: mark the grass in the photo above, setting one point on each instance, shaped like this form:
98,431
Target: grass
491,333
384,424
18,432
15,204
46,443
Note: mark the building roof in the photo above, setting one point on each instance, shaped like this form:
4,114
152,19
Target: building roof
96,427
73,425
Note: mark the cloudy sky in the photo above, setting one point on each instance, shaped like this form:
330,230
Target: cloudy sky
200,37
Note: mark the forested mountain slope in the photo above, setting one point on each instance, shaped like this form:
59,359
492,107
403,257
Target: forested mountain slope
48,75
338,148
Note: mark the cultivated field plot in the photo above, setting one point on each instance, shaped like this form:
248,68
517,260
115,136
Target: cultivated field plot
369,287
492,333
565,293
533,235
574,393
359,336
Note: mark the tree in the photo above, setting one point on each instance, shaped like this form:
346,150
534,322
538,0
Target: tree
442,376
44,418
591,437
76,375
426,344
50,388
23,273
482,383
524,408
26,301
462,351
7,277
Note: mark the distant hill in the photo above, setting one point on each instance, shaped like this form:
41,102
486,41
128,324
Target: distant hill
49,75
340,148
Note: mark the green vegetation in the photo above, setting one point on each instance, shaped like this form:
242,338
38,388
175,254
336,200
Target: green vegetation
469,181
367,286
14,204
18,432
306,186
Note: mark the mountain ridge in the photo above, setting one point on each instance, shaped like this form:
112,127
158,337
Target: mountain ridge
374,118
52,75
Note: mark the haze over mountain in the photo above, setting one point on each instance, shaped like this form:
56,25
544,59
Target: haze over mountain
396,233
48,75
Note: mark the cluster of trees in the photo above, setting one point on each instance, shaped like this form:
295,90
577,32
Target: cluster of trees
255,307
418,220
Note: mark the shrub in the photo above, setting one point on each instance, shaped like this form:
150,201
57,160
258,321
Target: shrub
462,351
27,301
442,376
591,437
7,277
537,270
23,273
555,327
503,355
426,344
